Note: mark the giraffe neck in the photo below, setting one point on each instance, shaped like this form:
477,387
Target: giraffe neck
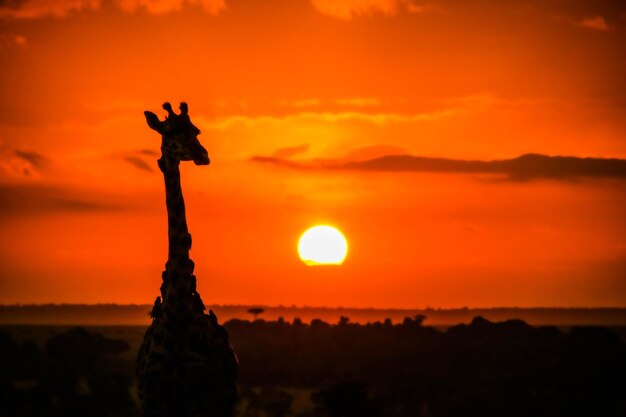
179,239
179,284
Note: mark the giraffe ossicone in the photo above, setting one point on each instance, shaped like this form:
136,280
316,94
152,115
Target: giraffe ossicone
186,366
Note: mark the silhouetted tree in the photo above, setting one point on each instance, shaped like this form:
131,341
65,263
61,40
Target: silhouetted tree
81,374
248,402
255,311
419,319
276,403
346,399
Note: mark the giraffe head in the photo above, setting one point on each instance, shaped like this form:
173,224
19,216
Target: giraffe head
179,136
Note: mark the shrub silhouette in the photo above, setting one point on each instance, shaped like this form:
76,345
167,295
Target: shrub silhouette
79,374
346,399
477,369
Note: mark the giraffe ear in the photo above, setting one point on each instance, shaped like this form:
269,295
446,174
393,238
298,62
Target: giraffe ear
153,121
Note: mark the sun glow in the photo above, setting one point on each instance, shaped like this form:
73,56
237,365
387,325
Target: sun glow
322,245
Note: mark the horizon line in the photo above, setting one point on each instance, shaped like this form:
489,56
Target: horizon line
110,304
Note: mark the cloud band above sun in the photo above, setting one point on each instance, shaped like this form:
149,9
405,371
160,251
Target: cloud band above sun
339,9
525,167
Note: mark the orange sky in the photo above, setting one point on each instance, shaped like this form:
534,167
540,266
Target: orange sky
311,83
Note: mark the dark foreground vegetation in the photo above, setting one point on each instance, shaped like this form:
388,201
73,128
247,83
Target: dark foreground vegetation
296,369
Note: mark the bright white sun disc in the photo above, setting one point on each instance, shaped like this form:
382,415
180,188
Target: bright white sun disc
322,245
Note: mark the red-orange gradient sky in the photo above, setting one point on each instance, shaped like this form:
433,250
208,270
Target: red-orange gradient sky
82,214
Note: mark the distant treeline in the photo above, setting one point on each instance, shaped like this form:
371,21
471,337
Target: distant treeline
407,369
137,314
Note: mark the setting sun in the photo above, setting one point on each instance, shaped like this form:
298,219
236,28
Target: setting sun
322,245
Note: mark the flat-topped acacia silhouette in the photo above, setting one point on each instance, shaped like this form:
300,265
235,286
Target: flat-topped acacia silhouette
186,366
255,311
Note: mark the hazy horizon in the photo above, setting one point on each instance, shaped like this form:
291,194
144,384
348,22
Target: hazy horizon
115,314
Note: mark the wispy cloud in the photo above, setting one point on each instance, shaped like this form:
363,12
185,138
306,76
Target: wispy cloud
33,9
358,101
300,104
347,9
346,102
167,6
374,118
12,40
595,23
291,151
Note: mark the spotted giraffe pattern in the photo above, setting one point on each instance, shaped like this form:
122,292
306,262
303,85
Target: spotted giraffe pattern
186,365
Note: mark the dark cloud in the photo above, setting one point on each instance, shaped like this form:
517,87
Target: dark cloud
31,9
68,204
148,152
291,151
138,163
11,40
36,159
39,199
525,167
279,162
374,151
11,4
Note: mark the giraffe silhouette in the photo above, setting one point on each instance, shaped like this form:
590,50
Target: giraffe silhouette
186,366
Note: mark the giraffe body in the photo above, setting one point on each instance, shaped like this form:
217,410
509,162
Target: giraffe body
186,365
